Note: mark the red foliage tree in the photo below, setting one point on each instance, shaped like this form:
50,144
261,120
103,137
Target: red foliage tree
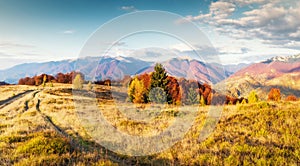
291,98
36,80
173,90
146,78
61,78
26,81
186,86
205,91
67,78
21,81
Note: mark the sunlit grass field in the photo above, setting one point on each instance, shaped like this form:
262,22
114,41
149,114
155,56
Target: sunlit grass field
47,127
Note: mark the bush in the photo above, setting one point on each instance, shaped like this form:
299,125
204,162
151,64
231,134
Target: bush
89,86
252,98
78,82
202,101
291,98
157,95
274,94
262,105
45,145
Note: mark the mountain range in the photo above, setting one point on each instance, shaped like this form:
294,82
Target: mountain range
277,72
240,79
100,68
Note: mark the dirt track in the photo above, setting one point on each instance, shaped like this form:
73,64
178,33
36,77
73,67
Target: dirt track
5,102
74,143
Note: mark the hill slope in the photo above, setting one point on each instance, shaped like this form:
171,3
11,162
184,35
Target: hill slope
279,72
43,128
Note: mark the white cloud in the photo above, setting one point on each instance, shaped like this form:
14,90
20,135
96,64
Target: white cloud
69,32
248,2
181,47
296,34
9,44
275,20
14,49
128,8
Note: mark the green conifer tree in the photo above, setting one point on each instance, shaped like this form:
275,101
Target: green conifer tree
192,97
159,80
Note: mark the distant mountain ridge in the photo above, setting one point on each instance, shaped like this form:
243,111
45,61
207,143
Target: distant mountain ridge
193,69
278,72
272,68
116,67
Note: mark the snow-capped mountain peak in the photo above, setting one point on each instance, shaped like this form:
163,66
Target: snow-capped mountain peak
287,59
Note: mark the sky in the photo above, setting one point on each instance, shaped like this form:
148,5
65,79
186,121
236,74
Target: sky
239,31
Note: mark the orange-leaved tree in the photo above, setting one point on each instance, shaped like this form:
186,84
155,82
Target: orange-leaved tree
274,94
291,98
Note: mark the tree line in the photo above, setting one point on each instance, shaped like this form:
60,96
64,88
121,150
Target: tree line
66,78
158,87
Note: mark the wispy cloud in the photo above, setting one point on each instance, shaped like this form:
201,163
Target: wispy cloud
128,8
8,44
69,32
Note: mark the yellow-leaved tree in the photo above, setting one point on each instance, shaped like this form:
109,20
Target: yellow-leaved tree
137,91
78,82
252,98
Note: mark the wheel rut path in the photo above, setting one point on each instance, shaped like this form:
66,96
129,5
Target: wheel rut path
10,100
110,155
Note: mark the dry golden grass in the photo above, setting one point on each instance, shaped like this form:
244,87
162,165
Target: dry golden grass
257,134
8,91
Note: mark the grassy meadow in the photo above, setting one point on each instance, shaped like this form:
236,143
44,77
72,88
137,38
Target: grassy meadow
44,127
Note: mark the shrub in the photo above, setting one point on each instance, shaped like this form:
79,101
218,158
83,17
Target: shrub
78,82
291,98
202,101
274,94
45,145
157,95
244,101
262,105
252,98
44,80
89,86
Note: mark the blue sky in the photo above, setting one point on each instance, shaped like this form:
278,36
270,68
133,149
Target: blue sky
239,30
